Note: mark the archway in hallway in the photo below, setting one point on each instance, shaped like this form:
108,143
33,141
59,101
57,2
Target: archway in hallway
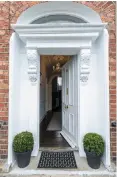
56,122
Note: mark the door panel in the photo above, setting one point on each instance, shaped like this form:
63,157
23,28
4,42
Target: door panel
71,124
71,83
69,102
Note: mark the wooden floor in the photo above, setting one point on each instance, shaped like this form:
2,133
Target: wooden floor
53,139
56,122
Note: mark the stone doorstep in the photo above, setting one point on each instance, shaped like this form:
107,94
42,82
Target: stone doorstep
54,173
59,175
32,171
2,163
1,167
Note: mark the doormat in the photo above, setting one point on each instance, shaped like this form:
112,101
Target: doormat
57,160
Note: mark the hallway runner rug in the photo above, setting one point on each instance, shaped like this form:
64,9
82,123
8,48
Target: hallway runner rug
57,160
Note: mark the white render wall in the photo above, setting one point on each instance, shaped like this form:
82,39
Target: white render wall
29,100
88,104
24,93
21,89
14,92
94,97
103,92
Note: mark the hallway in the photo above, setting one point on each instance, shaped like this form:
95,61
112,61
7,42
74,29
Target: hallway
52,136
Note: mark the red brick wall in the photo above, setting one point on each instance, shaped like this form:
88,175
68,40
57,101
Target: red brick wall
9,12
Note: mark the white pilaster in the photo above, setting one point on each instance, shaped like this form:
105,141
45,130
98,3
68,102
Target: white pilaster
85,68
85,55
32,57
34,96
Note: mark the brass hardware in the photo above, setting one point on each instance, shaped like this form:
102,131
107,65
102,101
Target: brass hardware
66,106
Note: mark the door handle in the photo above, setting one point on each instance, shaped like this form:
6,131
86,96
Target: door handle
66,106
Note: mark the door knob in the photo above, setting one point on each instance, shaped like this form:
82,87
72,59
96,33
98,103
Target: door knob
66,106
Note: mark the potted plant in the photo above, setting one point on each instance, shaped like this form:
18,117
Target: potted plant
94,148
23,146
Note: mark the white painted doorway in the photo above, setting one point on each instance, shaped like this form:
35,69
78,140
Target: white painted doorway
88,40
70,101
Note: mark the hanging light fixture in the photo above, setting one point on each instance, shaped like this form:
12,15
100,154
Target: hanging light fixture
57,67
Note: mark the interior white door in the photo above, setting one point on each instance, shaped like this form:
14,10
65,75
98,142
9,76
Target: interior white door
70,101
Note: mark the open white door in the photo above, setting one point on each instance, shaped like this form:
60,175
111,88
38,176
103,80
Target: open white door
70,102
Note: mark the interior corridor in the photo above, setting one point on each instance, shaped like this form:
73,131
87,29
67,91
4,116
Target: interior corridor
51,101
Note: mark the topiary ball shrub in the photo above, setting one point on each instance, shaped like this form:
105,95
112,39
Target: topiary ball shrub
23,142
94,143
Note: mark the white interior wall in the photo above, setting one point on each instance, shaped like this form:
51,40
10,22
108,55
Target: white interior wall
49,91
47,95
43,91
50,96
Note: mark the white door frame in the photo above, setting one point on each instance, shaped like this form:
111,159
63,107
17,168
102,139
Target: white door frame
65,39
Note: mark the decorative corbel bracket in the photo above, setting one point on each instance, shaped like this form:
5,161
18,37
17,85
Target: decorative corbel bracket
85,57
32,57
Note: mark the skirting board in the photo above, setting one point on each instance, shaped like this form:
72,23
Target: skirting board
43,117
